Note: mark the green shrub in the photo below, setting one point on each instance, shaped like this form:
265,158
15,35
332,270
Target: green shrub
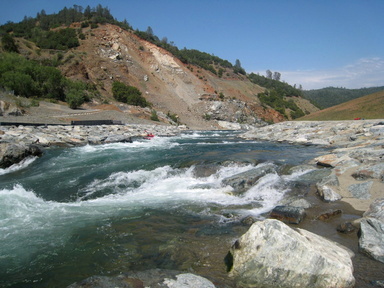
60,40
173,117
8,43
74,99
128,94
154,116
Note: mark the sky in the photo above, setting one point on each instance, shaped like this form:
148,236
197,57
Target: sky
313,43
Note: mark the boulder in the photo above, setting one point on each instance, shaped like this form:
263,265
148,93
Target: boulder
14,153
371,240
329,160
361,190
155,278
271,254
376,210
326,188
288,214
370,172
243,181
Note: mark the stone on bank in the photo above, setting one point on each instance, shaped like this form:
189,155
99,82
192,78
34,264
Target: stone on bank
371,241
271,254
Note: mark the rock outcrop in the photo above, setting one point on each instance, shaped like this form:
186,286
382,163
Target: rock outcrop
19,142
270,254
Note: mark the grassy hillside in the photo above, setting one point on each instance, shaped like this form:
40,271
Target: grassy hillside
331,96
366,107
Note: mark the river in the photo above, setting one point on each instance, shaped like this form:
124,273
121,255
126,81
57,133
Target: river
160,203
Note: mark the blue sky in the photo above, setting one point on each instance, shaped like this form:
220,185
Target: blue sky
315,43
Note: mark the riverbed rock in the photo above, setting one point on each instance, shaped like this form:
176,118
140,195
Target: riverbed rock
329,214
370,172
327,188
361,190
271,254
288,214
243,181
346,228
371,240
14,153
329,160
155,278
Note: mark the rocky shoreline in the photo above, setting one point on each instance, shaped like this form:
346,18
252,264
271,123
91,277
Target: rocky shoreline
19,142
356,178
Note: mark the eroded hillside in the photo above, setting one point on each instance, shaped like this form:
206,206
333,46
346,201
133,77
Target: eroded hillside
194,96
110,53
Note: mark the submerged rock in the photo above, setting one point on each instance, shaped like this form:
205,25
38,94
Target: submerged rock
243,181
271,254
288,214
346,228
155,278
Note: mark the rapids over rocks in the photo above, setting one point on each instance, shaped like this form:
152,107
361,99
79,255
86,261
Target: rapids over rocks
106,209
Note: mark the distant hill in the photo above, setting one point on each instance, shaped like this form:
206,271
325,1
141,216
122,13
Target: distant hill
331,96
366,107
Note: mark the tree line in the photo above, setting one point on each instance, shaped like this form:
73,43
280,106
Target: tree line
331,96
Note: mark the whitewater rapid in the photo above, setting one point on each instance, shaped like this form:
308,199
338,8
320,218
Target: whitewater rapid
43,202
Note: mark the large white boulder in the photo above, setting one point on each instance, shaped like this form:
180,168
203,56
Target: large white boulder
371,239
271,254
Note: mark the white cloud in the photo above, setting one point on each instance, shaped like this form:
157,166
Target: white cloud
365,72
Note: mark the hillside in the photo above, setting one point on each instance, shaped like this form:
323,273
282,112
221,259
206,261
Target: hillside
366,107
191,87
331,96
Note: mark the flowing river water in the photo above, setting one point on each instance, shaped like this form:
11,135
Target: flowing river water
107,209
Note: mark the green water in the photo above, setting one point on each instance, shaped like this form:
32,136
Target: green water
103,210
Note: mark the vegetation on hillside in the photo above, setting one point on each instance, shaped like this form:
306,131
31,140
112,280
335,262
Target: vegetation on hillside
42,29
29,79
56,32
190,56
331,96
275,94
128,94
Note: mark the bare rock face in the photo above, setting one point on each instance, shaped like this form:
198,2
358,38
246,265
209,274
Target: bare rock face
271,254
